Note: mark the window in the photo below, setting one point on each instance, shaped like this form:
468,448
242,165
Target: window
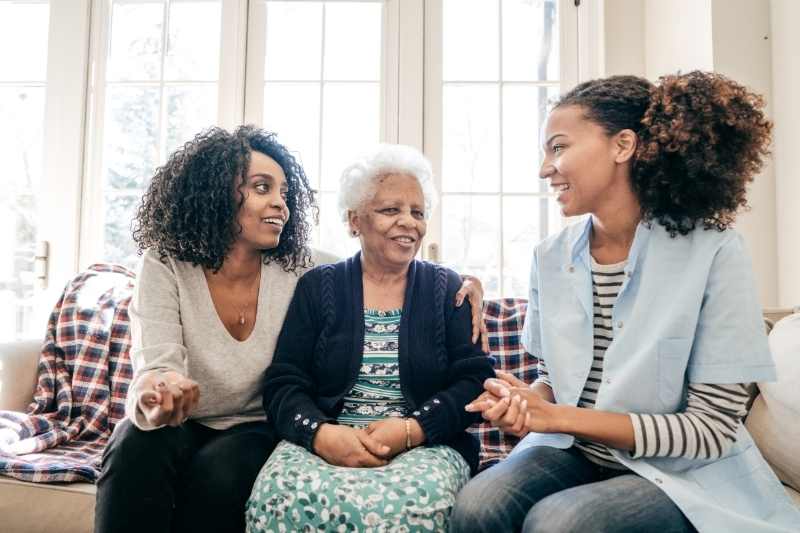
23,75
156,87
129,81
487,106
322,93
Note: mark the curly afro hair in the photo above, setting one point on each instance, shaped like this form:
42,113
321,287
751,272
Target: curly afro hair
189,211
702,138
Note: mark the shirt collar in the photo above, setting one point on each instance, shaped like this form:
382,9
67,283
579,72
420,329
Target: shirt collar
579,246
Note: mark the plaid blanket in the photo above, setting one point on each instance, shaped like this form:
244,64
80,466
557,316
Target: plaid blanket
504,319
84,373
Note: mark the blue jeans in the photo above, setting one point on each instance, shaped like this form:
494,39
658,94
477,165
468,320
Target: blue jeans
547,489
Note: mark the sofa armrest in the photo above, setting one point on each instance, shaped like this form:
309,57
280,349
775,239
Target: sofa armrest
18,364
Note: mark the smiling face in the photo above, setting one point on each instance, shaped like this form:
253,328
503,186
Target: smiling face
263,212
583,162
392,223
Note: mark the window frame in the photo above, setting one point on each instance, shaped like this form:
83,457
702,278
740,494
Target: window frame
67,219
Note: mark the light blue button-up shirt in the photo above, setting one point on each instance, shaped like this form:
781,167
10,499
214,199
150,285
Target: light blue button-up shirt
687,311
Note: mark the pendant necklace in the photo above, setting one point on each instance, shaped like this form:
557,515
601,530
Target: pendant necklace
242,317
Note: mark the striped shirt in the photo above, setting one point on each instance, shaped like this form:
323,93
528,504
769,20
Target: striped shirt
376,393
706,429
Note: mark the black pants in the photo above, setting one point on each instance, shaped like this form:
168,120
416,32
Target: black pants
189,478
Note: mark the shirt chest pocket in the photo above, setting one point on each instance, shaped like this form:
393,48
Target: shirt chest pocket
673,356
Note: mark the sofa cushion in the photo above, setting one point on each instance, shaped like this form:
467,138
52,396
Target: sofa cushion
774,420
38,508
18,363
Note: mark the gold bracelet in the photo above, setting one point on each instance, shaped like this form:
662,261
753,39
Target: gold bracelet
408,433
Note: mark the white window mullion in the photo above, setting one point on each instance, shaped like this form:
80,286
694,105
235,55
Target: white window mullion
410,68
390,53
60,207
568,41
500,95
162,113
233,64
432,128
254,63
92,219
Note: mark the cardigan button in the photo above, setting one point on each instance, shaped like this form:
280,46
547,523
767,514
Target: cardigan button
416,413
306,421
297,417
314,425
436,401
426,408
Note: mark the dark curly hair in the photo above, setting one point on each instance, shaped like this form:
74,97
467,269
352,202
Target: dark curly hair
189,211
702,138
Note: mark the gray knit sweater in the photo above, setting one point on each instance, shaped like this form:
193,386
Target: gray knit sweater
174,326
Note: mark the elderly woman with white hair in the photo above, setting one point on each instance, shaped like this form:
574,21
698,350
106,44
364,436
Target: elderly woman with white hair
372,370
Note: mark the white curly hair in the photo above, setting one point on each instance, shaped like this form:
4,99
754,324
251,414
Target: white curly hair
359,180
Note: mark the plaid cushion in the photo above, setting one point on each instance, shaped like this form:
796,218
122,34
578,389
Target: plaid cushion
504,320
84,373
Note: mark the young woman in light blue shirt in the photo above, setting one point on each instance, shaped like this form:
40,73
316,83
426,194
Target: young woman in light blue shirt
646,320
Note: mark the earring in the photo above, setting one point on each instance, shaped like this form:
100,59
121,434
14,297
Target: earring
354,233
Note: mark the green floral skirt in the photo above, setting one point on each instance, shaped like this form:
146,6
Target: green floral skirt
298,491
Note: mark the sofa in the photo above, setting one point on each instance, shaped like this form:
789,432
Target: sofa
774,421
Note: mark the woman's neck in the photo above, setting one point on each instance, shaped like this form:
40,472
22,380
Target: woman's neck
384,286
240,265
613,230
382,274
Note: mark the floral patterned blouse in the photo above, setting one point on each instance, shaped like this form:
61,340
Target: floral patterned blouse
376,394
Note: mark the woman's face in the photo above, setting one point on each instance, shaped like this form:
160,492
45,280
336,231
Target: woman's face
263,212
392,224
580,160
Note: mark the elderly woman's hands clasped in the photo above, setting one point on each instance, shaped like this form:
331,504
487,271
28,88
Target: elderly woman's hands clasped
509,404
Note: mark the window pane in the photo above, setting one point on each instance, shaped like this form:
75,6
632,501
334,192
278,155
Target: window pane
119,211
23,41
350,123
292,111
136,35
470,227
521,231
353,41
530,40
131,136
294,41
471,138
22,117
194,41
190,109
333,235
470,40
524,110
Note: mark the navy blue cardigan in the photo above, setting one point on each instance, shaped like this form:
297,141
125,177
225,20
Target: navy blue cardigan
320,348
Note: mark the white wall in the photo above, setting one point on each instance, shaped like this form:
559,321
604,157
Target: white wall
785,15
727,36
742,51
624,37
677,36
